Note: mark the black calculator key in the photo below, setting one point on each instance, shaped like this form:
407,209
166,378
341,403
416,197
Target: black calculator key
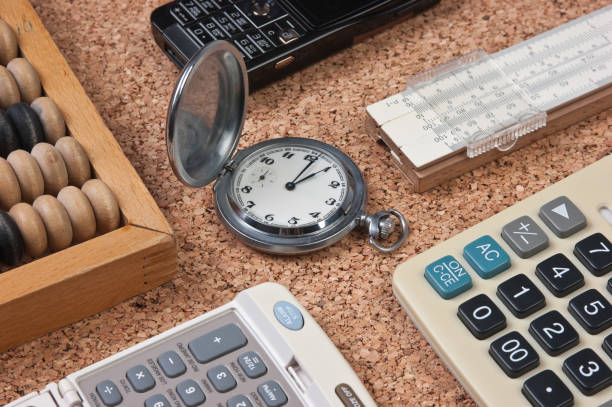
217,343
595,252
207,5
239,401
191,393
198,32
140,378
592,310
559,275
247,46
221,379
607,345
192,8
545,389
588,371
109,393
180,14
272,394
514,354
481,316
252,365
214,29
227,24
261,41
171,364
553,332
239,19
521,296
157,401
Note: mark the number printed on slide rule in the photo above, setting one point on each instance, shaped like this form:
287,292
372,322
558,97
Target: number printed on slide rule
481,102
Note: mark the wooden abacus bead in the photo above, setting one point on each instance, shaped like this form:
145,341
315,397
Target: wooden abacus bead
32,228
76,160
28,174
10,192
9,141
8,43
52,166
56,220
104,204
11,242
9,91
51,118
26,77
80,212
28,126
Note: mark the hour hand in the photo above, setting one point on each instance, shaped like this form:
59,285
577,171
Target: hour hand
293,184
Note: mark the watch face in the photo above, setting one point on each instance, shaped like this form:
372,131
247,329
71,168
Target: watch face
289,186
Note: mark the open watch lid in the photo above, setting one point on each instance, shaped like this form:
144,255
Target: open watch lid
206,113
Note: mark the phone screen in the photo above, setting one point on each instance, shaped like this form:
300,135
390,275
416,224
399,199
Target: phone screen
321,12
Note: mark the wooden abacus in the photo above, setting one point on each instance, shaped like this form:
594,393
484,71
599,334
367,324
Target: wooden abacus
51,207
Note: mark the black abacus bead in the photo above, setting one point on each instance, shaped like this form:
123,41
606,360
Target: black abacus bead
27,123
11,241
9,141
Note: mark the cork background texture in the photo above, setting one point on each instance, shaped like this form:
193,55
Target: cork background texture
347,287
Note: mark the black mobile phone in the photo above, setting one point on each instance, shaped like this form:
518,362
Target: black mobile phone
276,37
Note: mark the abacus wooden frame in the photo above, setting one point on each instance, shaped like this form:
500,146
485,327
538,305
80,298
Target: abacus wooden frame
81,280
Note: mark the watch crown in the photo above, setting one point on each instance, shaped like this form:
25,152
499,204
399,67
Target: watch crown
385,227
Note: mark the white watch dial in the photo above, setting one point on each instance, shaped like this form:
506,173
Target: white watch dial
290,186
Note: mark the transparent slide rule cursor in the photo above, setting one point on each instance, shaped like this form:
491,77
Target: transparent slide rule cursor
481,102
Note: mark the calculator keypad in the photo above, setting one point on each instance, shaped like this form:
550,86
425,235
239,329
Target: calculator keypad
588,371
595,252
553,333
521,296
592,310
559,275
514,354
525,237
481,316
545,389
217,363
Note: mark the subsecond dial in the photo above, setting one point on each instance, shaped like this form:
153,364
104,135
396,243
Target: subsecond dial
290,187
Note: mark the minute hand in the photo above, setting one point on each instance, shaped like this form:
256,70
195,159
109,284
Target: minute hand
312,175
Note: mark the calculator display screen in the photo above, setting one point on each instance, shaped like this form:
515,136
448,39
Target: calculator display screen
321,12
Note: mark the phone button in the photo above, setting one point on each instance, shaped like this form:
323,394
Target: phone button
284,62
288,36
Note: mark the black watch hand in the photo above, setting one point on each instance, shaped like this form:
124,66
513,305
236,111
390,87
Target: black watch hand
312,175
301,172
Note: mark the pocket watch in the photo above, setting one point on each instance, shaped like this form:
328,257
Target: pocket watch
287,195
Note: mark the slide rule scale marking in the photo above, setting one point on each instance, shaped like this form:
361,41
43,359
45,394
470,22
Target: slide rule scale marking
475,94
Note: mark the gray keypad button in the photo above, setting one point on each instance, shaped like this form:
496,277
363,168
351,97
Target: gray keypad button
525,237
239,401
109,393
140,378
272,394
171,364
252,365
217,343
191,393
157,401
221,379
562,217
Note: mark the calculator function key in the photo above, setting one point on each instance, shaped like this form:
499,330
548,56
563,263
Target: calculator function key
239,401
521,296
559,275
448,277
252,365
221,379
191,393
545,389
514,354
607,345
180,14
554,333
272,394
562,217
592,310
171,364
217,343
109,393
588,372
525,237
157,400
486,256
595,252
481,316
140,378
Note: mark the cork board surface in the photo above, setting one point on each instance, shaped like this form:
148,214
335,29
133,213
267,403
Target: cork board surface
347,288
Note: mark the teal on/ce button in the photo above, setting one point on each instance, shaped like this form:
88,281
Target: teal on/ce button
486,256
288,315
448,277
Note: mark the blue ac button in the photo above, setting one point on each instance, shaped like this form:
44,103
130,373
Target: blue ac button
288,315
486,256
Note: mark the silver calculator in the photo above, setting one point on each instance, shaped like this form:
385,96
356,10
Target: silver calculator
262,349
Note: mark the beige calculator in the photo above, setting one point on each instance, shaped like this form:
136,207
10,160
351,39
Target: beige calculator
518,306
262,349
